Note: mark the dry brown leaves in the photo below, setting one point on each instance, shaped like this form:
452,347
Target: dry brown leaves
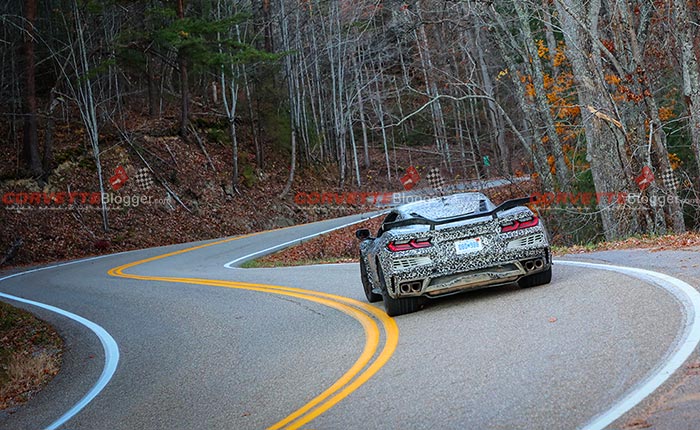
334,247
653,243
30,355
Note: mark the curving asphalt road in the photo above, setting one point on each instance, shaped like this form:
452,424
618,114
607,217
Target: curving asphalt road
202,345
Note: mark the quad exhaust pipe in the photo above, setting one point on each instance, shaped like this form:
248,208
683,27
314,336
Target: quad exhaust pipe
535,264
411,287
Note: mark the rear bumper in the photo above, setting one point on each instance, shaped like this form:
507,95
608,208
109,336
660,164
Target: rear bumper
447,284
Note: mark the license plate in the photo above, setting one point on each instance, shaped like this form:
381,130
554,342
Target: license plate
469,245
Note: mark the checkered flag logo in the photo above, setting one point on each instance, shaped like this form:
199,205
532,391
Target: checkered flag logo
144,179
670,180
435,179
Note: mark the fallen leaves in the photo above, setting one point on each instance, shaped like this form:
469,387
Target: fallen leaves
637,424
339,246
670,242
694,369
30,355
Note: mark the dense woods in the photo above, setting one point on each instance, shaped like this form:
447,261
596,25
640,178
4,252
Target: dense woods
585,97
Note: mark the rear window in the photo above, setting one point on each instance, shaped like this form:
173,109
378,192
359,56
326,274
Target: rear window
448,208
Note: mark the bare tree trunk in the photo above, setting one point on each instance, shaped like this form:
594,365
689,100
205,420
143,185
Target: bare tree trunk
293,94
353,145
267,25
47,157
687,31
608,161
292,167
184,84
474,141
549,35
229,98
406,125
361,110
541,98
337,75
31,139
234,149
259,161
494,114
432,91
532,146
351,129
318,89
673,209
379,108
460,129
301,89
152,88
85,99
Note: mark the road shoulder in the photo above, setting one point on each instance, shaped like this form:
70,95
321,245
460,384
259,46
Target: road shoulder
676,405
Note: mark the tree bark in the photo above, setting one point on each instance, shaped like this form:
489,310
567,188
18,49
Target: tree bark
152,88
494,114
293,96
533,145
673,209
432,91
184,85
361,111
607,160
691,72
543,107
267,25
31,139
47,156
86,99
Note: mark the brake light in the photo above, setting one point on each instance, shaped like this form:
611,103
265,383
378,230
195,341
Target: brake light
517,225
397,246
421,243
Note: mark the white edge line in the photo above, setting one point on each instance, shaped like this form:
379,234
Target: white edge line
690,299
684,292
111,349
231,264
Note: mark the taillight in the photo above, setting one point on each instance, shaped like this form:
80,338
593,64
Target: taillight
406,245
517,225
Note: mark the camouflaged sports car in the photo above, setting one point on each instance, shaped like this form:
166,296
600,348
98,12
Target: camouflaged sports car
452,244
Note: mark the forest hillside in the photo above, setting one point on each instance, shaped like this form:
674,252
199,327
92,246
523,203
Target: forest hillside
127,124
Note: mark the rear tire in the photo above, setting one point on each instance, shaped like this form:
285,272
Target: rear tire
536,279
399,306
371,296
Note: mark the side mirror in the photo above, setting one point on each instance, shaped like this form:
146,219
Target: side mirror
362,234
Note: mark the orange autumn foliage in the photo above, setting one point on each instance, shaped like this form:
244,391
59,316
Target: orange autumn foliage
666,114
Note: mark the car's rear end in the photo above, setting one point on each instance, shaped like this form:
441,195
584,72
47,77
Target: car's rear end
465,252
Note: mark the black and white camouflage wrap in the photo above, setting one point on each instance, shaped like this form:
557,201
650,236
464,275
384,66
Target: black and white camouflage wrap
440,269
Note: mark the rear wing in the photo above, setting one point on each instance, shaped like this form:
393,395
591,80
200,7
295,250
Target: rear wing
420,220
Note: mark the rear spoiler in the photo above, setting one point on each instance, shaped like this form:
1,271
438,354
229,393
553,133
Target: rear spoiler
420,220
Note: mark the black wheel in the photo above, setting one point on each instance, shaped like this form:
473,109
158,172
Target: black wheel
371,297
400,306
536,279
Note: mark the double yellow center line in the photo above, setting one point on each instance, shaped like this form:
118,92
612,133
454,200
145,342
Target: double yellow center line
368,363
